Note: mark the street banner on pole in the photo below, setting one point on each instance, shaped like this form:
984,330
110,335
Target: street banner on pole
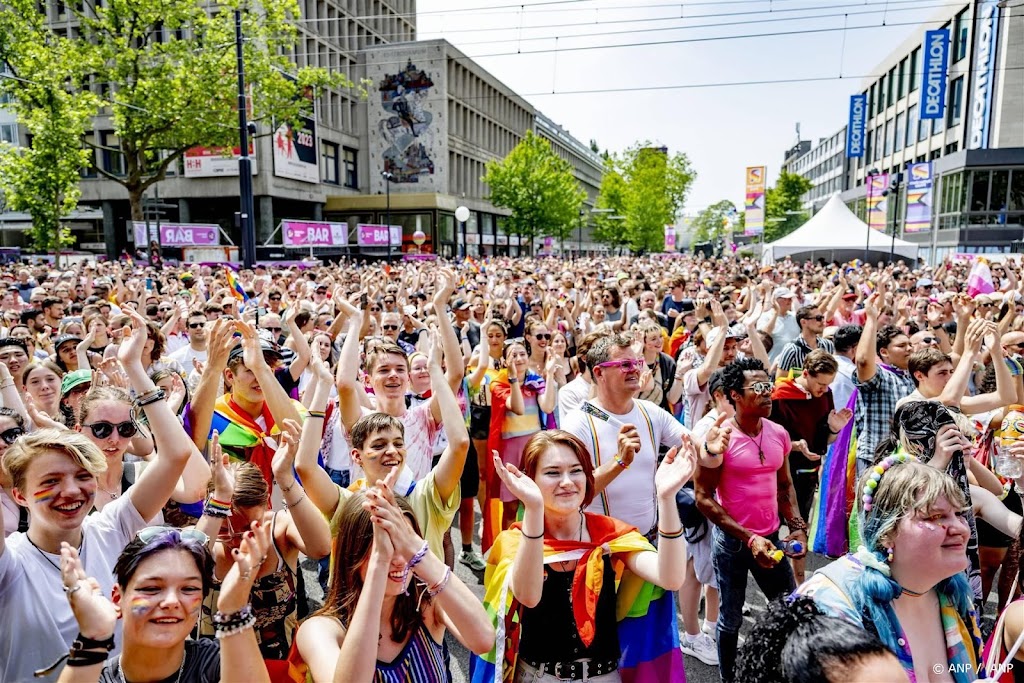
754,203
878,205
856,125
936,58
919,198
314,234
670,238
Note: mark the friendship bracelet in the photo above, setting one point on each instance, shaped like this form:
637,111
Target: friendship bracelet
624,465
288,505
216,508
83,652
150,398
86,658
232,618
418,557
436,589
225,630
676,534
532,538
316,413
750,541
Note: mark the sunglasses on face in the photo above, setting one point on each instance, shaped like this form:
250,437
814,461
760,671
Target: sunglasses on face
389,327
389,301
930,340
11,435
275,298
760,388
165,310
818,318
195,326
276,330
151,533
374,309
626,366
103,429
542,335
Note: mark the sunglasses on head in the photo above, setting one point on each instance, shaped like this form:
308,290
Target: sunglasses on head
760,388
151,533
11,435
103,429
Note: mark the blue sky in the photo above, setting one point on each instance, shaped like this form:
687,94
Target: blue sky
722,128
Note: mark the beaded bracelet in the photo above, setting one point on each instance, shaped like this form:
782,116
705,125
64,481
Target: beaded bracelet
434,590
621,463
226,625
418,557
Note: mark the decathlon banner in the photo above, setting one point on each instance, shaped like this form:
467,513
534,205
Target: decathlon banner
986,34
878,205
936,57
754,203
919,198
856,125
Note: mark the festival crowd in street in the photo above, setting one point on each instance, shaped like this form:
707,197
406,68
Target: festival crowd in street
623,444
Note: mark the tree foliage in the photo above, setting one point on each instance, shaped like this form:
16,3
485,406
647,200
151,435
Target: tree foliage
648,194
43,178
609,208
714,221
783,202
538,187
166,73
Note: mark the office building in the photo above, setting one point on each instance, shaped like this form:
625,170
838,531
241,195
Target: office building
824,164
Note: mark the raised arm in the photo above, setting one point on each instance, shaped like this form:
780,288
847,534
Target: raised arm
528,567
281,407
301,344
455,369
223,491
307,529
349,390
240,657
867,355
953,393
449,468
317,483
201,407
173,446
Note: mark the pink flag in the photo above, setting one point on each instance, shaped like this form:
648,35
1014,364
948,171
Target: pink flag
980,279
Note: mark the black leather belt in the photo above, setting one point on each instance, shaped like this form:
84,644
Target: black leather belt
578,670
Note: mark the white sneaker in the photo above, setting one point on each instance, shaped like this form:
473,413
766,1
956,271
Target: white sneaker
709,632
703,648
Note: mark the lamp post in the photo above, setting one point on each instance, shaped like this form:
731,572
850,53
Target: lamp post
388,177
894,190
462,215
579,235
247,209
868,195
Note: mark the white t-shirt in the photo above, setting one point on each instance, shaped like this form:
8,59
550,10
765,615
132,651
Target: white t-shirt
842,386
786,330
695,398
186,354
573,394
631,496
38,624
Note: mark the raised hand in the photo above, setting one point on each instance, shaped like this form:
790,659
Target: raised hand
520,485
801,446
718,437
628,441
252,351
249,556
134,340
320,369
675,470
386,514
284,457
871,305
435,349
837,419
221,341
96,615
221,471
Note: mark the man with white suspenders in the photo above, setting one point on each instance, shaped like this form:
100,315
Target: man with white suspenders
623,435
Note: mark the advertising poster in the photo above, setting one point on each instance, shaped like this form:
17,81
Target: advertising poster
215,162
295,152
856,125
179,234
754,203
370,235
936,56
670,238
919,197
878,206
314,234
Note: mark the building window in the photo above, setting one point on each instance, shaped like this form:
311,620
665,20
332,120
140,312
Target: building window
9,133
902,79
889,131
899,133
911,124
956,101
915,61
113,159
871,100
959,37
881,95
351,170
329,162
890,88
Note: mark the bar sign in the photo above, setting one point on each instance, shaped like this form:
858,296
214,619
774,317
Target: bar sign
936,56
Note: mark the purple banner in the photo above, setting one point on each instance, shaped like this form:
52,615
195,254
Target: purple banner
370,235
314,233
919,197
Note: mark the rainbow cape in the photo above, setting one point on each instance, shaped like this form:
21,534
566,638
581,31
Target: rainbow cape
235,285
242,437
833,527
648,632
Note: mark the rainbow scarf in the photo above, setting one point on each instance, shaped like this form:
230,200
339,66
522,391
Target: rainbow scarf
235,286
831,534
648,632
242,437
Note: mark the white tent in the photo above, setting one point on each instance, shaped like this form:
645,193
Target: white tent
835,234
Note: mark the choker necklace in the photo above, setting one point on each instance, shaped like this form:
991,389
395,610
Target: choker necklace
913,594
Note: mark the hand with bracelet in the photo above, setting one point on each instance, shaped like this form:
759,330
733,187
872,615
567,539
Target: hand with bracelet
283,462
628,441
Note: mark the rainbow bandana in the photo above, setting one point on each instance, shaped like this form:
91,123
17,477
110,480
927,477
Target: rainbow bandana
648,632
243,437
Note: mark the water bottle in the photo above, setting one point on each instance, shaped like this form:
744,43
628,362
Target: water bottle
1011,430
791,547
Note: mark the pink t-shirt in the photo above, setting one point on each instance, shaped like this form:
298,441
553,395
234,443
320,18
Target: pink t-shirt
748,488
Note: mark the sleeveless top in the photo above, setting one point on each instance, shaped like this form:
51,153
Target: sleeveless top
422,660
273,602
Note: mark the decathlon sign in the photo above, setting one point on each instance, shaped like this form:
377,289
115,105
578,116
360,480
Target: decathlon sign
855,126
984,73
936,57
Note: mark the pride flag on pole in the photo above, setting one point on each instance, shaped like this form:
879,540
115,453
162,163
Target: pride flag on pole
235,285
979,281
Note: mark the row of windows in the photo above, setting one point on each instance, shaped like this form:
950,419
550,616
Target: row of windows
329,165
467,123
464,176
989,190
465,85
896,134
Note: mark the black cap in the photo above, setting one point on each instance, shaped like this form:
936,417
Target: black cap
460,305
64,339
265,346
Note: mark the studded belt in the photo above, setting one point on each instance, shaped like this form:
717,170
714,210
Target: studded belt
578,670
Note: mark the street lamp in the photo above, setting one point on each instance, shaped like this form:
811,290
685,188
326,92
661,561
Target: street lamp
894,190
462,215
388,177
579,237
247,209
868,194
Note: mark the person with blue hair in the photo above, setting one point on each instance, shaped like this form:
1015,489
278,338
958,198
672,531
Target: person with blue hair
906,582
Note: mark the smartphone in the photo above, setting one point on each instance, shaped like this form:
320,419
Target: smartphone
364,301
149,283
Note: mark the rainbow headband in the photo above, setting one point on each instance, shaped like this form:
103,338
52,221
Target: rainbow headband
877,471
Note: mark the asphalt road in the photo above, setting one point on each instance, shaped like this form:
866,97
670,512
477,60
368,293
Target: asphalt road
696,671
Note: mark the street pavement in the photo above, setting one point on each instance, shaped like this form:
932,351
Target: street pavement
696,671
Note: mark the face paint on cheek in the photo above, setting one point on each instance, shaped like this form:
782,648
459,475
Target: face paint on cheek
141,605
44,494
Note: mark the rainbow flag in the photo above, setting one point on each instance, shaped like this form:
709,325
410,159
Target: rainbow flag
235,285
648,632
831,533
474,266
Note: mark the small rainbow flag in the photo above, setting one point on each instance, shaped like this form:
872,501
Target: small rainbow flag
235,285
474,266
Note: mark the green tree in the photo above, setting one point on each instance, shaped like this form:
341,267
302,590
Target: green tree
784,202
608,208
166,72
652,192
43,178
538,187
713,222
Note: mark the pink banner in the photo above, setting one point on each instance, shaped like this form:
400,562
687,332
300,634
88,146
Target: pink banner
188,235
314,233
370,235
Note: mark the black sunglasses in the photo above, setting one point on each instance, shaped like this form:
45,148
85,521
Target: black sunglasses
389,327
103,429
11,435
195,326
273,329
542,335
275,298
375,309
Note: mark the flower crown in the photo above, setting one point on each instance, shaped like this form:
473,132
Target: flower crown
877,471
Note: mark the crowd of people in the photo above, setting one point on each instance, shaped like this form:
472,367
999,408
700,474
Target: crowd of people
631,438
